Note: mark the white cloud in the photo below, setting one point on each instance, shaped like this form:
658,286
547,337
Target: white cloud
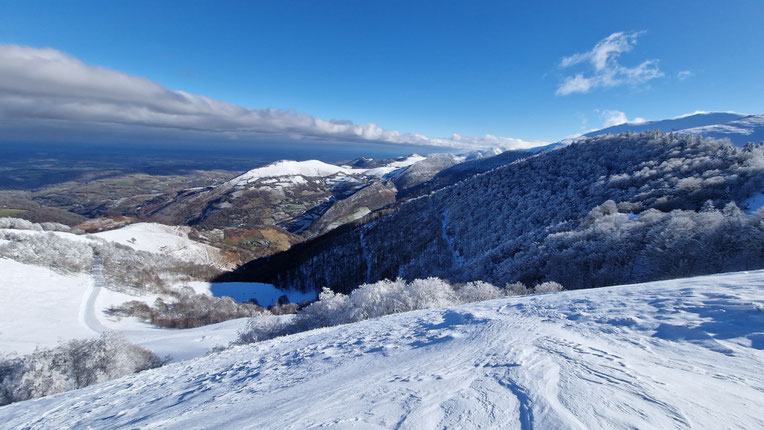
615,117
606,70
489,140
684,74
45,90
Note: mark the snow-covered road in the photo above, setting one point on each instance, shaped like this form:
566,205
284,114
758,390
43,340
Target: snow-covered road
673,354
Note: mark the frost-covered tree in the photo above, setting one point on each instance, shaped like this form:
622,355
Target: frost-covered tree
74,364
379,299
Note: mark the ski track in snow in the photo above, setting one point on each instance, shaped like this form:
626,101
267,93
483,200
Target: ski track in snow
672,354
88,312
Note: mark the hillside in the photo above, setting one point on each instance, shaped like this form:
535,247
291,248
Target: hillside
623,357
603,211
59,286
173,241
294,196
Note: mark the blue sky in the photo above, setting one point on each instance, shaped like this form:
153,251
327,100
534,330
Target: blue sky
431,68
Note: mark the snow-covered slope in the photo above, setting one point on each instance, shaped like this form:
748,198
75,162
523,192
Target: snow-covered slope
41,307
394,166
739,132
738,128
287,168
297,171
166,240
673,354
672,124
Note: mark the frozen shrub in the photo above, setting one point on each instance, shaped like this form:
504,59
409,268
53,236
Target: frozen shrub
264,327
187,311
330,309
287,308
55,226
516,289
379,299
430,293
547,287
19,224
478,291
72,365
47,250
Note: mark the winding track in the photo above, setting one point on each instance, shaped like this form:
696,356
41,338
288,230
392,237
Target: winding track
89,317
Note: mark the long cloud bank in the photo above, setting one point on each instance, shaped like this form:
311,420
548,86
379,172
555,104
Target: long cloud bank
43,90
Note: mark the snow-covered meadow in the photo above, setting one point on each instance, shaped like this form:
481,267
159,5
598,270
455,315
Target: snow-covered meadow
671,354
42,308
52,300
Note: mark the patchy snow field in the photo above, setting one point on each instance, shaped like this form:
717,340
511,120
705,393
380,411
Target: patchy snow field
674,354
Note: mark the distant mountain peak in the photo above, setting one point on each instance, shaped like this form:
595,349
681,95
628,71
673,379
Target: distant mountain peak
307,168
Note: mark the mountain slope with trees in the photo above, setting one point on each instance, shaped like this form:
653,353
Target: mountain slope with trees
601,211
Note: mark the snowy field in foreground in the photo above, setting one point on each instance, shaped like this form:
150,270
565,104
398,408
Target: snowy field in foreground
673,354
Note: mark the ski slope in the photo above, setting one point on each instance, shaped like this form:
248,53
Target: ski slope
674,354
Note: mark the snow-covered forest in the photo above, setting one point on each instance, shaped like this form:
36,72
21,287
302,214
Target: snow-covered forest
602,211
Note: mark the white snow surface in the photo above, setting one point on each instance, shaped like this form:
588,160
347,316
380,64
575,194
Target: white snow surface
673,354
393,166
41,308
165,240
